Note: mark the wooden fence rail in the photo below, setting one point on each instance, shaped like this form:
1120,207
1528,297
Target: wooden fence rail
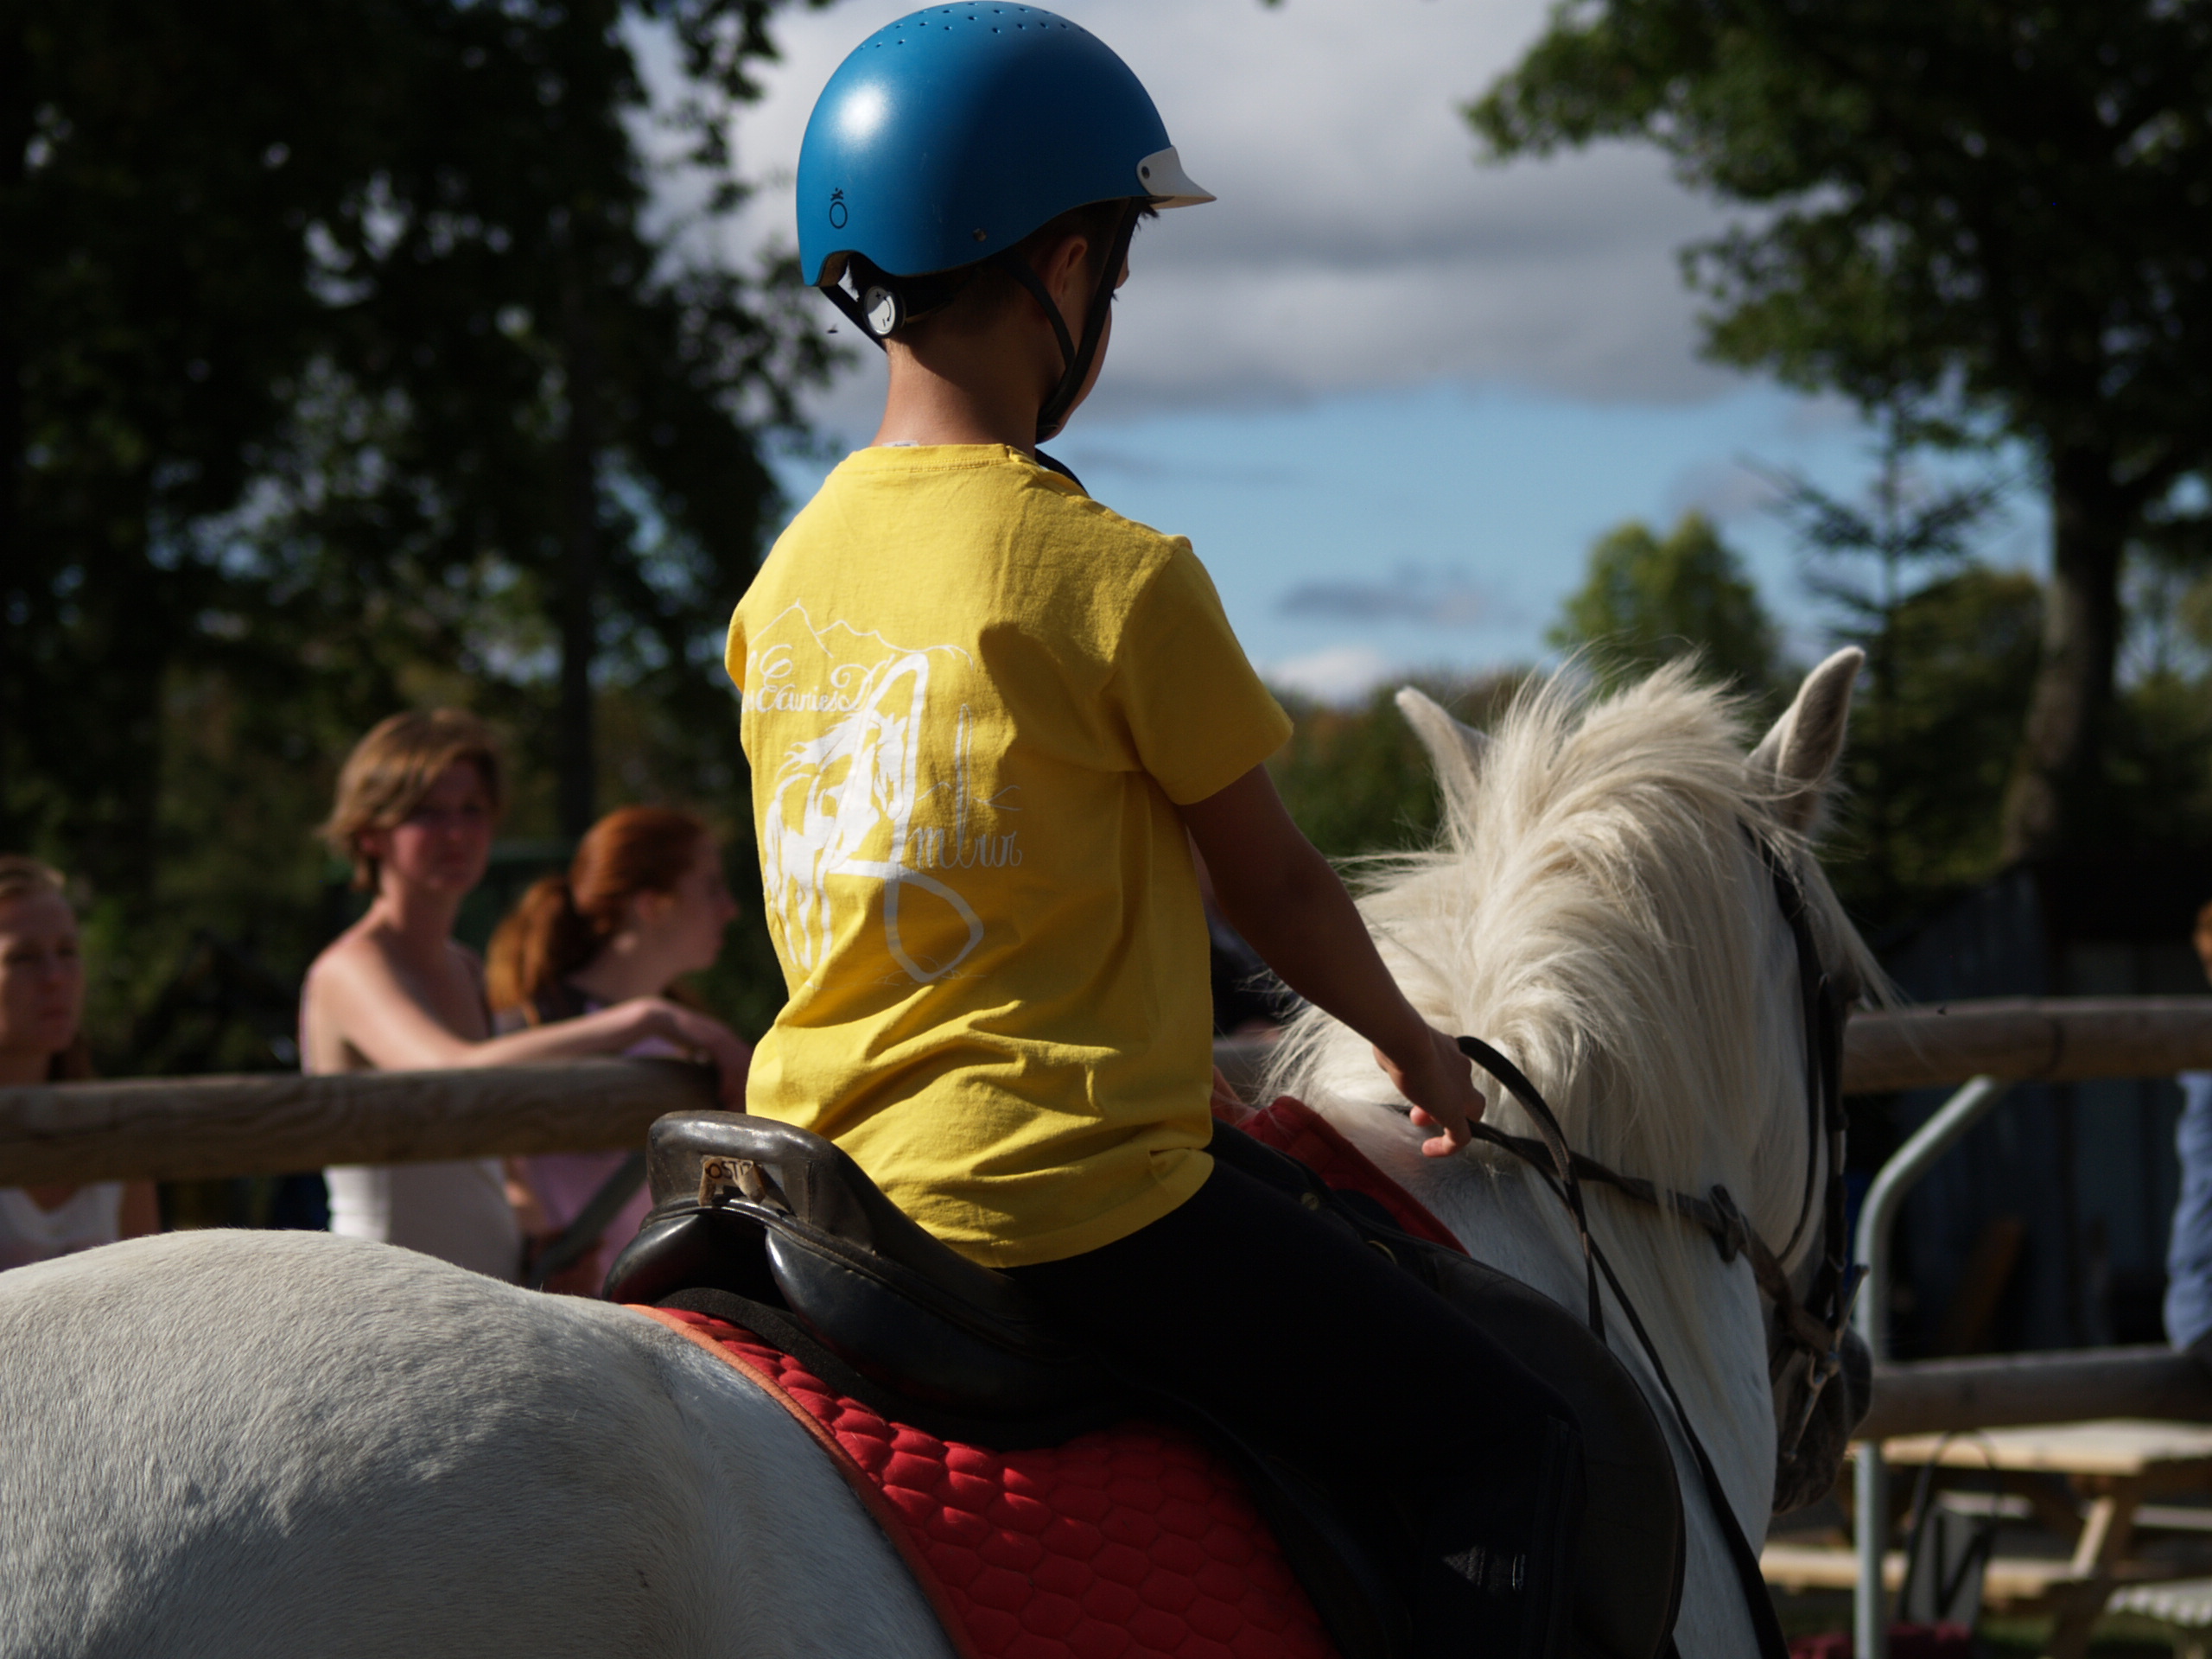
2056,1039
186,1127
1943,1396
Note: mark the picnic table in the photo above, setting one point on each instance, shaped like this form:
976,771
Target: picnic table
2087,1483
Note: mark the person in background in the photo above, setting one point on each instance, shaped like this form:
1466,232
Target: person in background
41,1001
417,800
2189,1248
643,904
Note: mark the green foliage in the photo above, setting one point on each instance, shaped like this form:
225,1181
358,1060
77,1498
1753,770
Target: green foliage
344,366
1647,601
1932,748
1357,781
1995,210
1958,187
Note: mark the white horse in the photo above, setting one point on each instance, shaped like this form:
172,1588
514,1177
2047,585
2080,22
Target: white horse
245,1444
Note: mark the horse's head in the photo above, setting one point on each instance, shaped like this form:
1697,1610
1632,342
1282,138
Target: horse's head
1621,905
1815,1423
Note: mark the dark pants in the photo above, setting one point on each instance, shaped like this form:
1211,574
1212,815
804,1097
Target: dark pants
1322,1350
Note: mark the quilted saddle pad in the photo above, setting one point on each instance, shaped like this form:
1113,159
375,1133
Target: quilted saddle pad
1133,1542
1137,1542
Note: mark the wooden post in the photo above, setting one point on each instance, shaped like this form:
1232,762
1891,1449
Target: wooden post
185,1128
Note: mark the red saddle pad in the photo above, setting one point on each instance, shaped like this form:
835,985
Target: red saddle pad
1134,1542
1290,1125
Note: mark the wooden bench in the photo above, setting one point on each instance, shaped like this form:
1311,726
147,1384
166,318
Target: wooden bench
2087,1483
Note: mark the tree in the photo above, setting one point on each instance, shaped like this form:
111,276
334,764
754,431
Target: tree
350,360
553,411
1997,209
1647,601
1908,529
152,302
1932,750
341,360
1358,782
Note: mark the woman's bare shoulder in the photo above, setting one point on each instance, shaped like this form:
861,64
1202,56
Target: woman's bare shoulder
331,998
360,948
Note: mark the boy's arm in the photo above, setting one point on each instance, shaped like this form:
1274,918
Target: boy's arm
1286,901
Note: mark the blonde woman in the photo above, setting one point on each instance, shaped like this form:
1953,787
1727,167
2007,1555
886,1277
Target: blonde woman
41,1001
417,801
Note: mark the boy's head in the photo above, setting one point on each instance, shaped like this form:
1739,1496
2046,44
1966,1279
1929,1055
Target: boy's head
957,153
393,770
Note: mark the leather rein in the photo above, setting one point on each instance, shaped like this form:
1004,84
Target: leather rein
1813,1325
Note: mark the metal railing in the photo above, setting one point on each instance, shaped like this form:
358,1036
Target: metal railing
1991,1045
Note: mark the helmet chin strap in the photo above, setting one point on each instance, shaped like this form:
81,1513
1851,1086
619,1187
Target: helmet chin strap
1076,356
883,305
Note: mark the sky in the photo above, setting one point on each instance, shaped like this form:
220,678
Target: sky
1391,391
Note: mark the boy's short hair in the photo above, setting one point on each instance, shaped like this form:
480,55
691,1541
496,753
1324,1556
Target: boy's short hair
985,289
391,769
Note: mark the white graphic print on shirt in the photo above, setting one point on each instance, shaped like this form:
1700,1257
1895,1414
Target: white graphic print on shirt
843,802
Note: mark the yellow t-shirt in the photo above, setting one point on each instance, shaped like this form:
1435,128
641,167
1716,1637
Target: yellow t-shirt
973,700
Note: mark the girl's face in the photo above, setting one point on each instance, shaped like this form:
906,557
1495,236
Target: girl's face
443,845
692,917
41,977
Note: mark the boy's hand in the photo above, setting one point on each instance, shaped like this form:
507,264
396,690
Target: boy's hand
1441,1083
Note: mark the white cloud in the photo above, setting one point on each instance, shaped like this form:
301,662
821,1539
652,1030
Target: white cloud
1357,244
1339,674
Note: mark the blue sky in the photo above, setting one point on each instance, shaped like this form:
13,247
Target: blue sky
1358,537
1390,392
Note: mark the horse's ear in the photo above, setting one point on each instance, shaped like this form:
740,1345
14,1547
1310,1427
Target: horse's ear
1455,750
1798,756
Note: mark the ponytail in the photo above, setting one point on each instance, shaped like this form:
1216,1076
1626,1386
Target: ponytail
561,922
543,940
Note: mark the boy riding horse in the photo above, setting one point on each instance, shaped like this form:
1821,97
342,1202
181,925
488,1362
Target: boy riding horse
988,719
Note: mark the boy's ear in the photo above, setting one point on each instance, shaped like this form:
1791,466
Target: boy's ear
1066,276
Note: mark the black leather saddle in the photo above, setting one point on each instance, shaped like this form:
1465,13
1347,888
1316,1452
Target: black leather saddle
782,1219
776,1230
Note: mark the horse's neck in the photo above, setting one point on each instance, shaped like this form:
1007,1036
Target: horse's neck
1703,1315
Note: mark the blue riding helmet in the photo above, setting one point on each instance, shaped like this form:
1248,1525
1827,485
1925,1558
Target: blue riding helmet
948,136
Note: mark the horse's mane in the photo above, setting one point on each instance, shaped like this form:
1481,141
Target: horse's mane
1599,910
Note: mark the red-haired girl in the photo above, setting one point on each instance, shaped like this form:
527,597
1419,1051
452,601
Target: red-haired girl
643,904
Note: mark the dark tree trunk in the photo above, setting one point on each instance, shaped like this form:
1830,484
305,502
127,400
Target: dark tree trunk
577,752
15,554
124,641
2054,789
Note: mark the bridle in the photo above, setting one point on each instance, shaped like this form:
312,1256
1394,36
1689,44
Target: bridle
1811,1327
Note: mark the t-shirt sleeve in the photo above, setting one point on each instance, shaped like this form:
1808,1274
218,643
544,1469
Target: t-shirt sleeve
733,649
1197,711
